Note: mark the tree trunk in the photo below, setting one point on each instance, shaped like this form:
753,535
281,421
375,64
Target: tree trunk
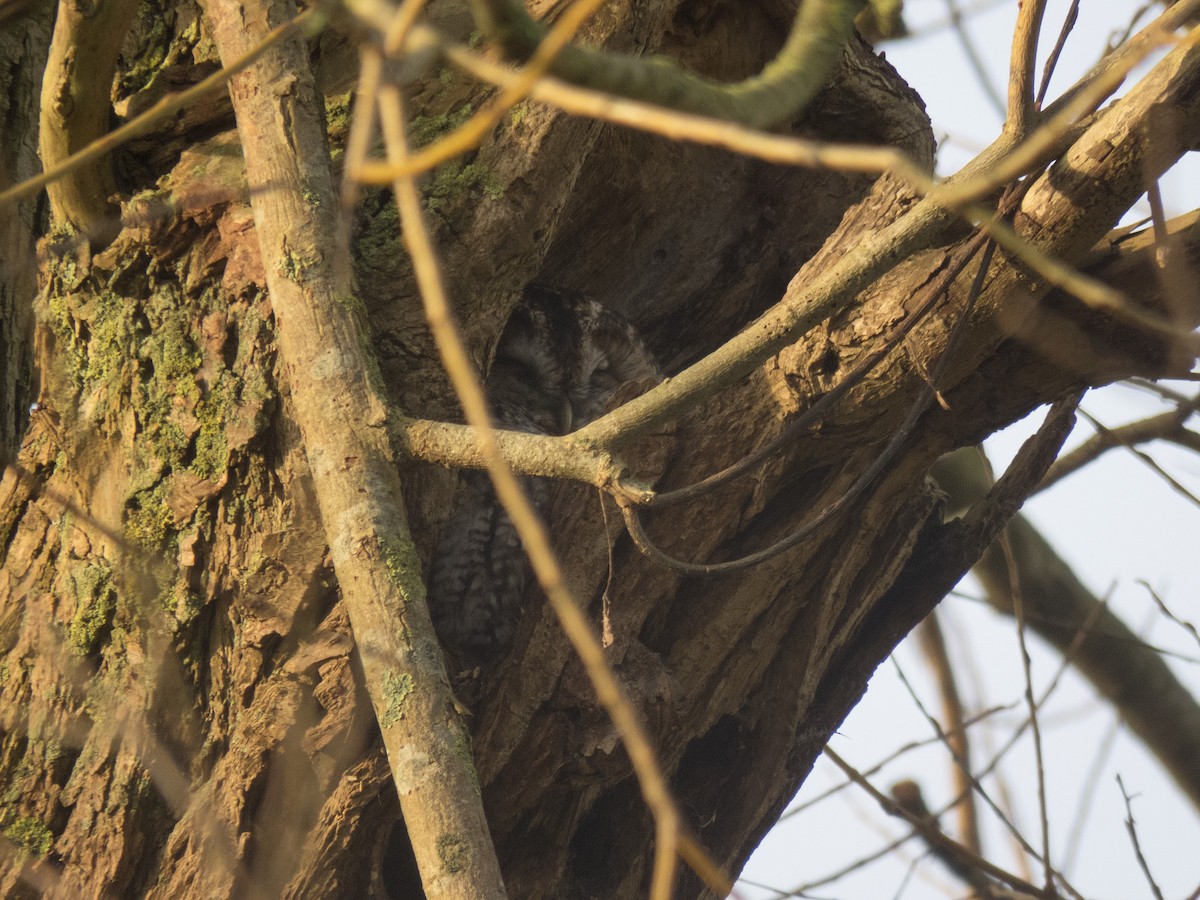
183,713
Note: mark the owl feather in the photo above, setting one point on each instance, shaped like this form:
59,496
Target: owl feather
560,360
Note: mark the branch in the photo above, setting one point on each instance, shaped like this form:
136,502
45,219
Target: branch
325,356
76,109
669,841
83,159
1166,426
781,91
1020,78
550,456
908,797
966,859
1132,676
933,645
1066,213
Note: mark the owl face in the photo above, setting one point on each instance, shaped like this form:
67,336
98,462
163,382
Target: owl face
561,359
557,366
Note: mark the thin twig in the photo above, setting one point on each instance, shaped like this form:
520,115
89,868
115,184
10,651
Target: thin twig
969,784
932,835
974,60
1052,60
1165,426
472,132
1088,792
1162,606
1035,730
1146,459
908,795
890,758
1137,847
933,645
530,528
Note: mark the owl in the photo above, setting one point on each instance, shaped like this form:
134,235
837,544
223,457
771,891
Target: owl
558,364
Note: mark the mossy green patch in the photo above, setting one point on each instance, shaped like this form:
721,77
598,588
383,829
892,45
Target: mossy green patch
403,564
296,266
427,129
31,835
518,112
213,412
451,183
452,851
396,688
95,602
149,522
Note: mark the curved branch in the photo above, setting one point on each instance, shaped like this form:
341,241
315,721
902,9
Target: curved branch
784,87
76,108
1067,211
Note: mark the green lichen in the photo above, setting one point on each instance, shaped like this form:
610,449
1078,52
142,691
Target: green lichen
519,111
396,688
149,522
452,851
451,184
403,564
296,266
96,337
352,303
462,749
212,450
338,109
95,602
427,129
32,836
154,43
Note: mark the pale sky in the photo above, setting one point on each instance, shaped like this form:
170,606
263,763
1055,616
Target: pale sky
1117,523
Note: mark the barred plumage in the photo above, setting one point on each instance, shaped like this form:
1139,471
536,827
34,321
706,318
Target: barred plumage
557,366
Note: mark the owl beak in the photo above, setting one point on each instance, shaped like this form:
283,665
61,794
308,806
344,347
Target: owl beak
565,417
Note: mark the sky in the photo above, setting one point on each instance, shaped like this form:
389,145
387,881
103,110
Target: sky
1117,522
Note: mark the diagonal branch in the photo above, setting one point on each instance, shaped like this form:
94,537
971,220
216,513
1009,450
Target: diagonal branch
326,360
1133,676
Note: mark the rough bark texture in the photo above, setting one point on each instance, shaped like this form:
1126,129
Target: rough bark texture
182,713
23,47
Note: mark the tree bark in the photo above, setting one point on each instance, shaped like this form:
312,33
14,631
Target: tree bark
182,714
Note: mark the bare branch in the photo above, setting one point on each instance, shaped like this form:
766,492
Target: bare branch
343,419
784,87
933,645
525,519
1020,77
1137,846
933,835
76,107
1134,677
1166,426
